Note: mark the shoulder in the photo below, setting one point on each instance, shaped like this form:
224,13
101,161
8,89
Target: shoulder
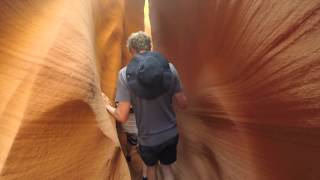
122,74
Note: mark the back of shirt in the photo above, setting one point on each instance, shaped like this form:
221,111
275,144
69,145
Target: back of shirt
156,121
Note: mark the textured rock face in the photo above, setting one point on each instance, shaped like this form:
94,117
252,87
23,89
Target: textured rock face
251,69
54,57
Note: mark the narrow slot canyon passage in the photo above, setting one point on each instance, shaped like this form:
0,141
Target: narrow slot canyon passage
249,68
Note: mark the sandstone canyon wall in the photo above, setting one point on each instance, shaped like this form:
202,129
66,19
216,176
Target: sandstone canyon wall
55,57
251,69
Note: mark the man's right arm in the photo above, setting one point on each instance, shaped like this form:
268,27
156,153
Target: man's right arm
180,100
179,97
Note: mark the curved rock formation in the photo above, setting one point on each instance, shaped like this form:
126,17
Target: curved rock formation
54,57
251,69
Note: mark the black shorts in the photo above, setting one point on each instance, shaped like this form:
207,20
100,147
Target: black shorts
166,152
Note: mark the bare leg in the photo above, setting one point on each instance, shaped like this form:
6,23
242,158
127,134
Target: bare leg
167,172
151,172
144,170
128,151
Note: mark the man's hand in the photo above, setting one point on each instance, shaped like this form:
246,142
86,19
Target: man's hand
106,99
121,113
108,105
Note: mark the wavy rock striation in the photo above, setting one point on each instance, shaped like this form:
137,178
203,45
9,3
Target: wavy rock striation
250,68
54,58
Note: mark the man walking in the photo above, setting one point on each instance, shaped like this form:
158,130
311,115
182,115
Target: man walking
150,84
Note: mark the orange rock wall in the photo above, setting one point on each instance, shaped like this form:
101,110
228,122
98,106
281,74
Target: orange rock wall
55,56
251,70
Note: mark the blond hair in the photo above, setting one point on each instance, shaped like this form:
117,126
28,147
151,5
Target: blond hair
139,41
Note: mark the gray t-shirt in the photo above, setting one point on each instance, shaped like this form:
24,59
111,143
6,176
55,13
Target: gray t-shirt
156,120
